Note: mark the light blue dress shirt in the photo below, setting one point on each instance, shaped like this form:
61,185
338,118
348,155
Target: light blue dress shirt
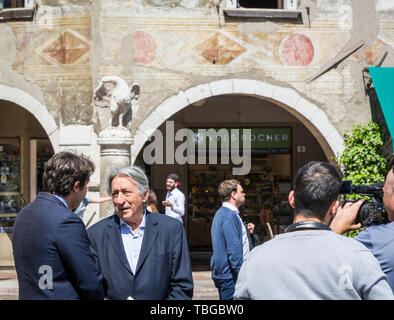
61,199
132,242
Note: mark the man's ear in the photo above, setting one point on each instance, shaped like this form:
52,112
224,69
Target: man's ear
145,196
76,186
291,199
334,208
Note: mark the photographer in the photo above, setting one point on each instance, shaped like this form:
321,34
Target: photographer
309,261
379,238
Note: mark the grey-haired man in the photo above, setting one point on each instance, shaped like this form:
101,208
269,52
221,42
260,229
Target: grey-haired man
142,255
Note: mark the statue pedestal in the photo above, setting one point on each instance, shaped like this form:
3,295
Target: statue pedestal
115,145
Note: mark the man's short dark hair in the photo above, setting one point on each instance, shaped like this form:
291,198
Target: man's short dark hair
316,186
65,168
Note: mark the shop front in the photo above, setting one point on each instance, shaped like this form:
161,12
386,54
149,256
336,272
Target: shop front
24,149
279,145
266,187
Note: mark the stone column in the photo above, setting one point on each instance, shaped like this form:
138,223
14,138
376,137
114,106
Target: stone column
115,143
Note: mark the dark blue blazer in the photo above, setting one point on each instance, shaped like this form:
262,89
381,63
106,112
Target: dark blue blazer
163,270
52,254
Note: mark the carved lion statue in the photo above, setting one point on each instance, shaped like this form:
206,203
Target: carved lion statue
113,92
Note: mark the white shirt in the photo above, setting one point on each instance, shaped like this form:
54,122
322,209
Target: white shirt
132,242
177,199
245,242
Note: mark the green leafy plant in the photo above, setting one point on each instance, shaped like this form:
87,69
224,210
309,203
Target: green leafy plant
362,161
353,233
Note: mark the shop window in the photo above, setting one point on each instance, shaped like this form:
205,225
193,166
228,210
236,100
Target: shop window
11,198
41,151
16,10
267,186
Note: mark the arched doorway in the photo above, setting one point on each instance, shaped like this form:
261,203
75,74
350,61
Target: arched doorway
308,113
240,103
37,109
281,144
24,148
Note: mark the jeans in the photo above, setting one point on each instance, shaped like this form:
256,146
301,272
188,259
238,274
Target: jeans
226,288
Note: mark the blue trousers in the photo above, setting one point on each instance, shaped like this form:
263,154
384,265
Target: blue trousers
226,288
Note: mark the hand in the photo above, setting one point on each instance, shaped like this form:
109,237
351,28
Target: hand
345,217
167,204
251,227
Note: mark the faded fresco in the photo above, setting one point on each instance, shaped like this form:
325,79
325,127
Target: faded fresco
168,46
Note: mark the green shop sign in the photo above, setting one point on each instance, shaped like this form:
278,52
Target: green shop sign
260,140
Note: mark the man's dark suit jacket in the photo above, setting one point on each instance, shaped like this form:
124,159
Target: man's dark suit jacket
49,238
163,270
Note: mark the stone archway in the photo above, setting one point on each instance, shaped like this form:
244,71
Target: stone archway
36,108
308,113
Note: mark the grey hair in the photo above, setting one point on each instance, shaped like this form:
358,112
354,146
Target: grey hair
133,172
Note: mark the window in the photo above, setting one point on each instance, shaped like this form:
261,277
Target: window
12,4
266,4
258,10
16,10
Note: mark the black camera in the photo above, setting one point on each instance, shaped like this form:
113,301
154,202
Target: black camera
371,212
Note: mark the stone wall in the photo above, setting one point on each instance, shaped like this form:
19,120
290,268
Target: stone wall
171,46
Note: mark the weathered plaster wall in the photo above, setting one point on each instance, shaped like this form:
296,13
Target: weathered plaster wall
167,46
9,51
172,45
52,55
183,3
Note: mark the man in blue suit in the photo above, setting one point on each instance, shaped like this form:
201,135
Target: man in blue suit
229,239
51,248
142,255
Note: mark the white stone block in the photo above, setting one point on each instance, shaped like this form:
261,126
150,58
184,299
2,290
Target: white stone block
172,105
45,119
154,120
286,96
7,93
245,86
305,108
198,93
75,135
264,89
54,138
221,87
335,141
140,138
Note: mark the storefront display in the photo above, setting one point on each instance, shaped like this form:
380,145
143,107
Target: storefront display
44,153
11,196
266,200
10,181
266,186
